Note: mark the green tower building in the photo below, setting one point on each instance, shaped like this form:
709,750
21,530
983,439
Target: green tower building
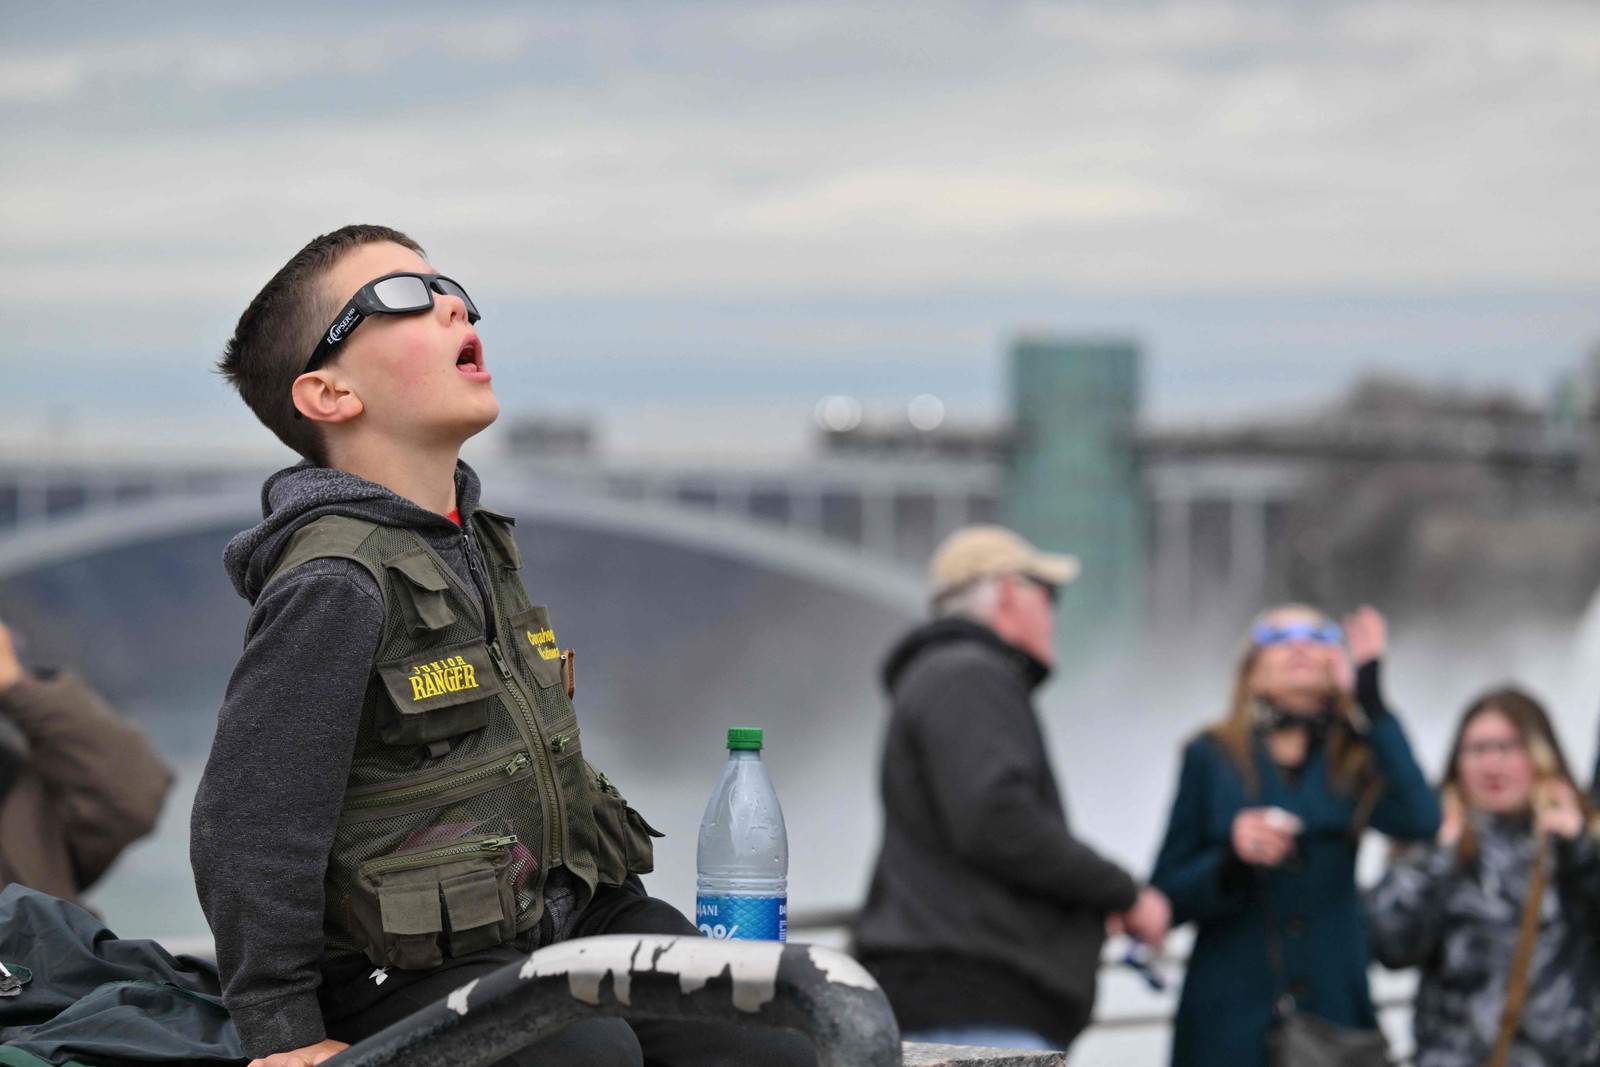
1073,482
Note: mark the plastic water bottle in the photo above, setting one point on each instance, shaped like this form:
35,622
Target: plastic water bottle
743,890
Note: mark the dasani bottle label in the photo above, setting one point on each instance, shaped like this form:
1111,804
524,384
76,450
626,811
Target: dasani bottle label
743,918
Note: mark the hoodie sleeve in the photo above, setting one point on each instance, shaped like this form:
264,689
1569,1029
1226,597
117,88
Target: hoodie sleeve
268,804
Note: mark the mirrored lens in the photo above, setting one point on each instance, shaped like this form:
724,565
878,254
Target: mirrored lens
451,288
402,294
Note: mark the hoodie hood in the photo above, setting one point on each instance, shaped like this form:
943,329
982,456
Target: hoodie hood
305,492
942,632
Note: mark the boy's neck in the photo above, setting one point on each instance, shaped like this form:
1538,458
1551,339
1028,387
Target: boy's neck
424,476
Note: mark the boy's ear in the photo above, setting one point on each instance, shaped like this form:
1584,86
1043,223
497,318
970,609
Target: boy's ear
322,397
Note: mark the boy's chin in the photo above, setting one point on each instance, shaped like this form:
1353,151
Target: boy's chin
480,414
481,420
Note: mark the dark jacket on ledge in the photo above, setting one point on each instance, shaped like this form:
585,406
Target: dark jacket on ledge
985,909
1229,989
77,785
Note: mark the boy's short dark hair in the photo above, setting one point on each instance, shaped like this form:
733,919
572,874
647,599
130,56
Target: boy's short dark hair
278,331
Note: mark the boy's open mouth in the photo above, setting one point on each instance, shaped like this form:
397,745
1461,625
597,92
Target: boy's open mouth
470,359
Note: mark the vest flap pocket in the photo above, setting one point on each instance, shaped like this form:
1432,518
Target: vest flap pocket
410,910
496,531
480,910
410,918
421,591
535,639
411,905
439,694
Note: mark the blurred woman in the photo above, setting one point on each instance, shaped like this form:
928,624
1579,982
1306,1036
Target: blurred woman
1455,907
1271,804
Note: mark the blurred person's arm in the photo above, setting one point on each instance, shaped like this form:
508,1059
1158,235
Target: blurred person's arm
1408,808
1406,909
1199,872
268,804
981,747
105,781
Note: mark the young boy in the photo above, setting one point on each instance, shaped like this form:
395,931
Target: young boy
396,800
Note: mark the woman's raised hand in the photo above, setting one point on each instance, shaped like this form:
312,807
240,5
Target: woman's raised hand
1558,813
1367,634
1454,817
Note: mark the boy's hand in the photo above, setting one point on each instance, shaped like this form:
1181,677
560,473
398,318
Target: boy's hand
309,1056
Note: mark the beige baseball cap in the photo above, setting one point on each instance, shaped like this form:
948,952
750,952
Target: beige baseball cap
975,552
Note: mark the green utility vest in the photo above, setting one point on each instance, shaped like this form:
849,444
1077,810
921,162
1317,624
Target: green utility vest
468,784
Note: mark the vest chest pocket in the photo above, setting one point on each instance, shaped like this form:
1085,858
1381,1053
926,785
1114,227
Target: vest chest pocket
414,905
437,694
420,591
535,640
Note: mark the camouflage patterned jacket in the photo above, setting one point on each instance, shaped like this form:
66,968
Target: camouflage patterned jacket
1459,922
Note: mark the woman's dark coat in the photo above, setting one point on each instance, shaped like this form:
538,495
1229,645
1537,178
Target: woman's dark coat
1228,992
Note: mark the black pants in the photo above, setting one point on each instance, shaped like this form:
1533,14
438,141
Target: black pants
356,1007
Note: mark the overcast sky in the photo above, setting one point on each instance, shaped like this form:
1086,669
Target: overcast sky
752,204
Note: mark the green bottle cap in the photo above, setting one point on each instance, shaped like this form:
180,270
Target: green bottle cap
744,737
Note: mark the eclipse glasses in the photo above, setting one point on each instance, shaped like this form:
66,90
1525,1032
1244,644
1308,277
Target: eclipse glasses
1324,633
402,293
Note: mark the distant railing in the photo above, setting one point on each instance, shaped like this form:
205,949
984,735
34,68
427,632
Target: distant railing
820,920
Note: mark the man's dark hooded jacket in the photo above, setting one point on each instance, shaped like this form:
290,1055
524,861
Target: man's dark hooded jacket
984,908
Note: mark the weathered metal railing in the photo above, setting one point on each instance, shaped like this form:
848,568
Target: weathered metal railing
821,992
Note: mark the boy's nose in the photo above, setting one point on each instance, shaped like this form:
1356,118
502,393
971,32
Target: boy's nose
453,307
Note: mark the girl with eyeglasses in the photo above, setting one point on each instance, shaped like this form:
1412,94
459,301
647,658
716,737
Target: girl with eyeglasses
1502,911
1260,848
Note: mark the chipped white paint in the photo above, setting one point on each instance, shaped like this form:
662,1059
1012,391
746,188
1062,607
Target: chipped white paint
457,1001
837,967
698,960
586,961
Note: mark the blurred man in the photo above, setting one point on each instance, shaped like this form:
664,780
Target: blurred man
986,916
77,784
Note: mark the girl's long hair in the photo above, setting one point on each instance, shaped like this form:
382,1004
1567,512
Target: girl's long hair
1528,717
1351,770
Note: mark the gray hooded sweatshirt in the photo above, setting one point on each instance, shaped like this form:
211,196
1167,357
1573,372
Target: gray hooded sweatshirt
268,804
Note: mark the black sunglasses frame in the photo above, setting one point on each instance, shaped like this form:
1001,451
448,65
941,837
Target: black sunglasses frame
366,303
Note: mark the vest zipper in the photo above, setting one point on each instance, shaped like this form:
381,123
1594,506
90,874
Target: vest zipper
427,856
511,768
556,818
491,624
488,615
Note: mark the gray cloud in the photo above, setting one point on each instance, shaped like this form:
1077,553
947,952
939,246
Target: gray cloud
770,146
157,166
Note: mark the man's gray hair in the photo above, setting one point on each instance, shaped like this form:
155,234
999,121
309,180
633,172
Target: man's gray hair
976,600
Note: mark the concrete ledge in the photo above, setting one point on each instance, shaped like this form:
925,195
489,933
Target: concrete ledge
968,1056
